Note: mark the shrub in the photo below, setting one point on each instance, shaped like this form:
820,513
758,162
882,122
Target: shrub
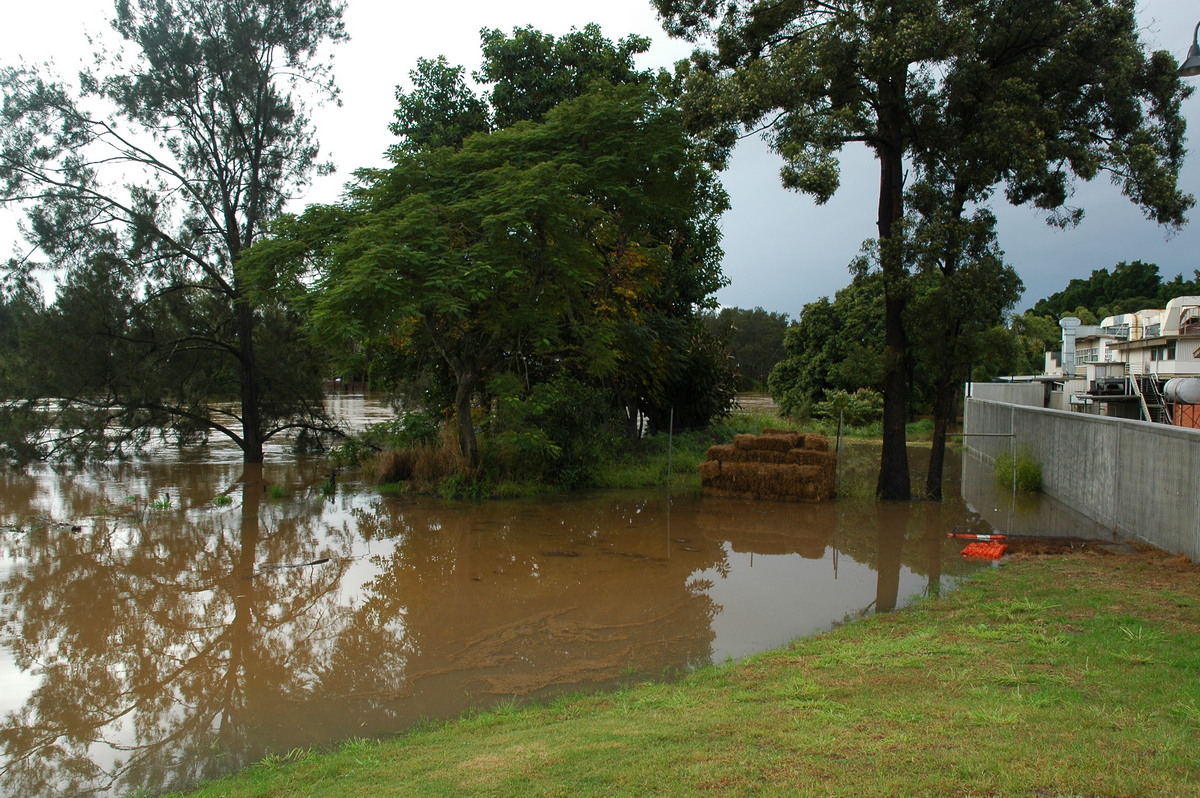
428,462
555,432
858,409
408,430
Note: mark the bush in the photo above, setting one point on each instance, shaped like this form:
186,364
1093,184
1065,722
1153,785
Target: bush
427,462
406,431
554,432
858,409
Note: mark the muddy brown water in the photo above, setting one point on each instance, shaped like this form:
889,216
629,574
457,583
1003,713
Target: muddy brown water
149,642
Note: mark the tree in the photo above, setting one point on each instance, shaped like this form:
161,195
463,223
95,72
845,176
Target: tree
440,111
531,72
1127,288
1058,90
966,288
537,240
833,346
755,341
659,362
147,185
1033,336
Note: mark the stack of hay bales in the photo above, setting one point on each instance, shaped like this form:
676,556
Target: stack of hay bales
779,465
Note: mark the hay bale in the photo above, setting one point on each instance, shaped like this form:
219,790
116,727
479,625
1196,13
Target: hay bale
770,443
735,455
762,478
812,457
816,442
722,451
796,438
766,467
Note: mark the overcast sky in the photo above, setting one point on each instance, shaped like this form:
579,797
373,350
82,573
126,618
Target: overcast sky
781,250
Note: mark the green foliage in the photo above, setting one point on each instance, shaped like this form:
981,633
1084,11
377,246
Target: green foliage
1028,472
532,72
1032,337
754,339
968,97
555,432
834,345
462,486
858,409
540,242
441,111
1127,288
222,500
1134,283
408,430
698,386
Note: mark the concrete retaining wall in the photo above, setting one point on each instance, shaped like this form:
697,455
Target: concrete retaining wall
1032,394
1136,478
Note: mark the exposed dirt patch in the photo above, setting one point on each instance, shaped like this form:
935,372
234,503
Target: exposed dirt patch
1033,548
1148,555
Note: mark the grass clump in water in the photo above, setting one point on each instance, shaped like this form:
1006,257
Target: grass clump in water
1028,472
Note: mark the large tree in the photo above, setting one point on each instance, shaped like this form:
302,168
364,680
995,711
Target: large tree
662,363
144,185
541,240
1044,90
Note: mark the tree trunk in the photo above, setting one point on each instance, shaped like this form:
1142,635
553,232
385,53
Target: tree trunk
252,431
946,382
467,379
893,482
944,404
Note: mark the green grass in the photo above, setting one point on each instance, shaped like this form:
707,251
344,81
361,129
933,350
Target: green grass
1057,676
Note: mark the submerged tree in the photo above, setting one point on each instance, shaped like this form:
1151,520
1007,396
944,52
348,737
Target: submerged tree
143,188
1019,92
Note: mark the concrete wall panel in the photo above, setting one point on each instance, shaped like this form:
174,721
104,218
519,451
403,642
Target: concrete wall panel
1137,478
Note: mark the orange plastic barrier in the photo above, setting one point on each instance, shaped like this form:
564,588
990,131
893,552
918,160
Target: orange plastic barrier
991,551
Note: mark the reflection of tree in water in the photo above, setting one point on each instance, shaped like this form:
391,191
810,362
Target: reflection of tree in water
886,536
499,601
154,642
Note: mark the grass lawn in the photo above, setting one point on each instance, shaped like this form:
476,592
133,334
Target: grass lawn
1061,675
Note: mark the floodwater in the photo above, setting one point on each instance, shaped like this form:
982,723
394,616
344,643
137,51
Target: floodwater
152,638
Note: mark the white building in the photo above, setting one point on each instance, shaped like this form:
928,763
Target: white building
1120,366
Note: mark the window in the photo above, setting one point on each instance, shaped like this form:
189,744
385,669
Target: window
1166,352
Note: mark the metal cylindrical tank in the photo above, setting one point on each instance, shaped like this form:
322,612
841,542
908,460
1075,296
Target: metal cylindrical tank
1183,390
